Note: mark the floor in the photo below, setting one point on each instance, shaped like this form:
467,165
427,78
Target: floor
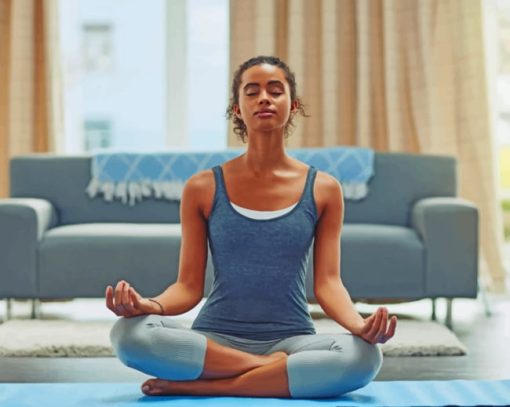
486,338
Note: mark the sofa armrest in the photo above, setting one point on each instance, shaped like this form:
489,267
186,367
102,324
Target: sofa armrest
23,222
449,229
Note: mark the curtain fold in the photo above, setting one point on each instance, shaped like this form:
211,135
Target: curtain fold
5,51
27,80
392,75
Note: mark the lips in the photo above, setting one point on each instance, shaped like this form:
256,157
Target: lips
265,112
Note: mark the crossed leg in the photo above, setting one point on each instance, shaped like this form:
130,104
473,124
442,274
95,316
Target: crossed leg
266,380
223,362
187,362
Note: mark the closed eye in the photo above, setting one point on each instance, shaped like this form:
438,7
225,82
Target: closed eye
272,93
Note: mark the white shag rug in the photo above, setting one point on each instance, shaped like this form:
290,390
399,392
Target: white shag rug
67,338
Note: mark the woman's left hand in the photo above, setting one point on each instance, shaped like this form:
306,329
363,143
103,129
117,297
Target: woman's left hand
376,329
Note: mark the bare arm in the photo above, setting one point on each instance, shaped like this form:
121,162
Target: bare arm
188,290
328,287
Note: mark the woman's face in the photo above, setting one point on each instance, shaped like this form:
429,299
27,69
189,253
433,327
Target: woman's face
264,98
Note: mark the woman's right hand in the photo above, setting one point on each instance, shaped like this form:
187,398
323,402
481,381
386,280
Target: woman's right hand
126,302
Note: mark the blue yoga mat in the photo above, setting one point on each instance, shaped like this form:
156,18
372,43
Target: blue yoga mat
396,393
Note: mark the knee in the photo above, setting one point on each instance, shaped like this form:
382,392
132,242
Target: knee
357,366
128,337
366,362
159,348
345,367
370,359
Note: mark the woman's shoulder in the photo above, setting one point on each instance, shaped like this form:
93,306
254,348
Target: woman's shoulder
200,180
199,188
203,182
327,190
327,181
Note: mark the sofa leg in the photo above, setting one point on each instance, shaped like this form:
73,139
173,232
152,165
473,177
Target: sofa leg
433,316
8,308
486,303
36,308
449,309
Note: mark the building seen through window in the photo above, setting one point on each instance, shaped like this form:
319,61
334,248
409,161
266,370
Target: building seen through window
98,134
97,47
120,68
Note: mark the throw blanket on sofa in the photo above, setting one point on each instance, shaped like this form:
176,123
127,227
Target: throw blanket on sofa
131,177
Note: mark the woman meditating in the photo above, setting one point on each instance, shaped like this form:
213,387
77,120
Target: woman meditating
260,213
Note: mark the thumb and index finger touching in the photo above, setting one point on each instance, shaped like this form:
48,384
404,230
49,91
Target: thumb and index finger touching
376,319
134,299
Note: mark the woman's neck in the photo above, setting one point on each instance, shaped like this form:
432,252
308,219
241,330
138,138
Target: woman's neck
265,153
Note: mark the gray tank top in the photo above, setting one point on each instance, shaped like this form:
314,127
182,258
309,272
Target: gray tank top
259,290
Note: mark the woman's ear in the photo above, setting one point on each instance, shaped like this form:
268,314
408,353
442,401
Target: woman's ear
294,106
237,112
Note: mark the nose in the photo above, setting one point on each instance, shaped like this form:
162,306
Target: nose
263,98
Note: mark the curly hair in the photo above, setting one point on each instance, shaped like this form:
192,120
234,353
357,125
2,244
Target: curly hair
239,126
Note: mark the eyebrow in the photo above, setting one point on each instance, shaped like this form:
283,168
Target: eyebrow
257,84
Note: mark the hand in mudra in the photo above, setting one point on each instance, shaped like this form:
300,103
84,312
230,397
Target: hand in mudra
126,302
376,329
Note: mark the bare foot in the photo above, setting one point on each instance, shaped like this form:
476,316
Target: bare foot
159,387
154,387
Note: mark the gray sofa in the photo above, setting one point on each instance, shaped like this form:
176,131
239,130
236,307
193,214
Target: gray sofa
410,238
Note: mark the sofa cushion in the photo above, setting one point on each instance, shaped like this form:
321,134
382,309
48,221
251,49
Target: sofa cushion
84,258
379,261
79,259
383,261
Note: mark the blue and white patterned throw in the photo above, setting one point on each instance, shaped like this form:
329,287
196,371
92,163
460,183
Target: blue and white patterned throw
131,177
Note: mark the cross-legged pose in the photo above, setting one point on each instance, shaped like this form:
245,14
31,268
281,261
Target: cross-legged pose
260,213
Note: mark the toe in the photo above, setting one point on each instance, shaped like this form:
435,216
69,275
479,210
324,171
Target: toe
150,387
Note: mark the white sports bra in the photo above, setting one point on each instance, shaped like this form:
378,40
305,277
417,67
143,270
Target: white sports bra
250,213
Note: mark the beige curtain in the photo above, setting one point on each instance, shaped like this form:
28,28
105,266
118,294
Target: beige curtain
393,75
27,80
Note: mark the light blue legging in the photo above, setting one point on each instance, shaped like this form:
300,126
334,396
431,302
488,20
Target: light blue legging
320,365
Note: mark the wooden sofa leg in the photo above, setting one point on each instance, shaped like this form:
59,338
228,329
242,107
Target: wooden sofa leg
449,309
433,316
36,308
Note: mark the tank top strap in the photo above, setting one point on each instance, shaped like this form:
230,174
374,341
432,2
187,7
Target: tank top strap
310,180
220,191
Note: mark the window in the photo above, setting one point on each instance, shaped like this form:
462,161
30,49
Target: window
162,79
98,134
208,73
97,47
